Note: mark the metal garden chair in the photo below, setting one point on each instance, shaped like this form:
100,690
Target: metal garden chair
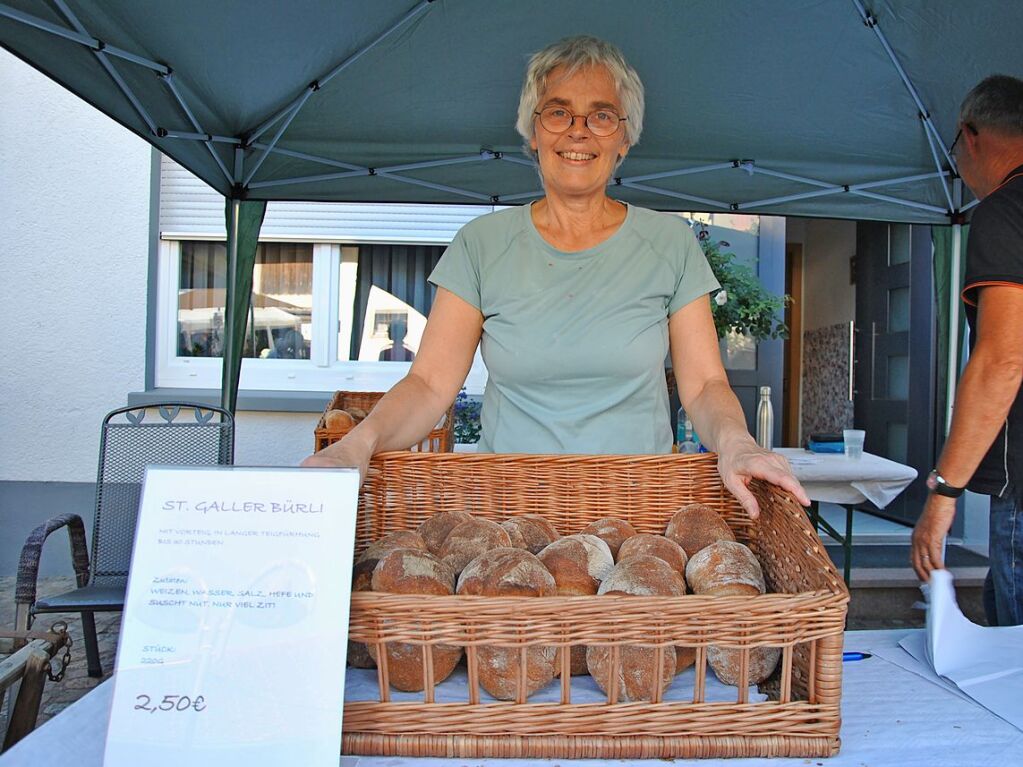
131,438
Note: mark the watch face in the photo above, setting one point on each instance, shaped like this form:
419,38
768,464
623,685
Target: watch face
932,480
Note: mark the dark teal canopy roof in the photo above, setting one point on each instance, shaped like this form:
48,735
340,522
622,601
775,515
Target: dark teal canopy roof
790,107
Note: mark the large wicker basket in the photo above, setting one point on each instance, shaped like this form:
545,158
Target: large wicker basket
441,438
805,617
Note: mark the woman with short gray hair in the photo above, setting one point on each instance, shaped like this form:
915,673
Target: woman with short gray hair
574,300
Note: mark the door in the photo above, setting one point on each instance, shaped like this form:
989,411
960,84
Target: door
894,361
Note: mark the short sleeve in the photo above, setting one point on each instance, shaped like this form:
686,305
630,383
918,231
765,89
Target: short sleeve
695,277
994,251
459,271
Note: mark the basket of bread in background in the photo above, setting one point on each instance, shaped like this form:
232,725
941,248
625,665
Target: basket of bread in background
587,607
348,408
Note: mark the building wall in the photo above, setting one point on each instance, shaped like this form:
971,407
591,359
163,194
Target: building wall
74,227
829,298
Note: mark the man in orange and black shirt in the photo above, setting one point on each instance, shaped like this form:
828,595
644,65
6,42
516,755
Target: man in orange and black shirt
984,450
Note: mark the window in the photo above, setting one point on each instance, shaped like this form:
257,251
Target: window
323,316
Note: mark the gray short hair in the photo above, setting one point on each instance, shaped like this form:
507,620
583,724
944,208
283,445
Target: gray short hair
575,53
995,102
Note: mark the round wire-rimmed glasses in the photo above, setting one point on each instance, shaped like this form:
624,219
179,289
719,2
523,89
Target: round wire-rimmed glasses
600,122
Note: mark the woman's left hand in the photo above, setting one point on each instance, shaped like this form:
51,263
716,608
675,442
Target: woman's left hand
745,461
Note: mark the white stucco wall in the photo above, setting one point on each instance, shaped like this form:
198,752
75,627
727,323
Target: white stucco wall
74,222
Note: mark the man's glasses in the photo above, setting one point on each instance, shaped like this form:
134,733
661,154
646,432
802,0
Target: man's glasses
601,122
959,135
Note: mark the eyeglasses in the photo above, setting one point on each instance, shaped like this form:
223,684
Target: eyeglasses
600,122
959,135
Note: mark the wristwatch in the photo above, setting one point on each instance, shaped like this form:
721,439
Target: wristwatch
937,484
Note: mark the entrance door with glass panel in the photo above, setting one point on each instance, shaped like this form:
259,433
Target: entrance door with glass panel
895,358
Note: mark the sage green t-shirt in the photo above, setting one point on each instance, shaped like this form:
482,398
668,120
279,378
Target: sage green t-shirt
575,343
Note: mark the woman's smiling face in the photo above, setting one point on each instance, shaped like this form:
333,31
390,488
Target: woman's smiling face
577,162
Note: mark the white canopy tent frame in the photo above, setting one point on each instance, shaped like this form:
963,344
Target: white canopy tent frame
244,178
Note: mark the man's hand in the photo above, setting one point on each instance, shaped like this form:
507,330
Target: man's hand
929,535
746,460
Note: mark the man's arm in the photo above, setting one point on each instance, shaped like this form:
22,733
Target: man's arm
986,392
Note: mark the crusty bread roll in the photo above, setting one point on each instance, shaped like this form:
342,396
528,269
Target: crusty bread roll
467,540
530,532
655,546
338,419
366,562
725,568
695,526
414,571
726,661
357,413
641,575
435,530
510,572
362,580
578,563
612,531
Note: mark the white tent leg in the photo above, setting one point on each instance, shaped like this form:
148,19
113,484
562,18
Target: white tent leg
953,308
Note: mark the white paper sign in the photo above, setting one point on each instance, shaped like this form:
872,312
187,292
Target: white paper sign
233,640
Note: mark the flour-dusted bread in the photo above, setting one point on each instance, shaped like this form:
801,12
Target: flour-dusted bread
435,530
415,571
578,563
725,568
727,661
695,526
366,562
467,540
510,572
530,532
641,575
655,546
338,419
612,531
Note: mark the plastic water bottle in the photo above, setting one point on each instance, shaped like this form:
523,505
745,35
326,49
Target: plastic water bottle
685,436
765,419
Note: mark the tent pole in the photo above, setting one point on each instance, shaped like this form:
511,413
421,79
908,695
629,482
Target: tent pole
953,309
229,382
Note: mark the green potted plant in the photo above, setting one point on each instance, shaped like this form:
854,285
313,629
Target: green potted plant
743,306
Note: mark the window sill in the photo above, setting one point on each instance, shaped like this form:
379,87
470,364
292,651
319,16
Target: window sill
267,401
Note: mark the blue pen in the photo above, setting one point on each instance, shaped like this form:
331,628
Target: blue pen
855,656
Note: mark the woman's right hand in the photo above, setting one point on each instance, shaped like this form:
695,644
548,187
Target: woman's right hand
348,453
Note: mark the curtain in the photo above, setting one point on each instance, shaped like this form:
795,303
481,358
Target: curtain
400,270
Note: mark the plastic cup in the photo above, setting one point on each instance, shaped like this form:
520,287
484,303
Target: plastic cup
853,439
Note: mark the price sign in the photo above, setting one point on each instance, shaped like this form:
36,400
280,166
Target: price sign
235,625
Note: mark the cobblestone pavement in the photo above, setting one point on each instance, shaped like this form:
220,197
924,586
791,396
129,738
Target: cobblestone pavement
59,695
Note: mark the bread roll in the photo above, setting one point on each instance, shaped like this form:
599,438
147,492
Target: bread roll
357,413
414,571
436,529
695,526
725,568
510,572
726,661
655,546
612,531
578,563
336,420
467,540
366,562
530,532
362,580
640,575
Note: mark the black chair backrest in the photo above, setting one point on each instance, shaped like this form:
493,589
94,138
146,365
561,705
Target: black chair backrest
178,433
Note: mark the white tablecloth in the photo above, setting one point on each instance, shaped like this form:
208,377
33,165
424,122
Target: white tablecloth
834,478
890,716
